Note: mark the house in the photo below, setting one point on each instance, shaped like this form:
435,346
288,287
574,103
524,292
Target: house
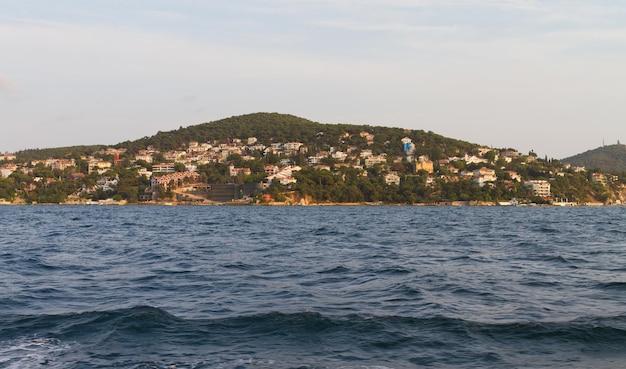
424,163
144,155
322,167
392,178
234,172
99,166
472,159
511,154
257,147
599,178
174,155
484,175
7,170
375,159
107,184
62,164
539,187
314,160
368,136
339,155
173,179
407,146
271,170
144,172
164,168
284,175
514,175
292,146
270,150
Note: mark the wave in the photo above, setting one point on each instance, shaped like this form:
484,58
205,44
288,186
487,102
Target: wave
141,335
144,319
617,286
327,231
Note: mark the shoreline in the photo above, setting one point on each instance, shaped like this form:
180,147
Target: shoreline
286,204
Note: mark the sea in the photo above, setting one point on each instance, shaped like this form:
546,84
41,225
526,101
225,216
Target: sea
337,287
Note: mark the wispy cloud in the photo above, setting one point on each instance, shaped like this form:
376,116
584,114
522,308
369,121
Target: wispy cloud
384,27
510,5
166,15
407,4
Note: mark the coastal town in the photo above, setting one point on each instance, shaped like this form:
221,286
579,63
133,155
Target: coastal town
248,171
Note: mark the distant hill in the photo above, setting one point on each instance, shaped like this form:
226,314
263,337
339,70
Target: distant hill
608,158
57,152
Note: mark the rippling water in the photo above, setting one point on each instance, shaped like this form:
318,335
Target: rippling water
312,287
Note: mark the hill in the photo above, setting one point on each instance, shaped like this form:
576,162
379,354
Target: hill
606,158
269,128
57,152
274,127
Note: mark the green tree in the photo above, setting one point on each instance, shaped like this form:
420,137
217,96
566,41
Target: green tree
180,167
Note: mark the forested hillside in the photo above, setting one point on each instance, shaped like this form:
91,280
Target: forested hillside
275,127
606,158
57,152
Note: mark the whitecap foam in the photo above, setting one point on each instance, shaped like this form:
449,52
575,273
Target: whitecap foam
365,367
31,352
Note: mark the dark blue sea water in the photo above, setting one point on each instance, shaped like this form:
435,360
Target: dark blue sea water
312,287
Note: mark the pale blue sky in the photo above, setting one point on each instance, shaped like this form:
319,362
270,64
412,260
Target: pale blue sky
548,76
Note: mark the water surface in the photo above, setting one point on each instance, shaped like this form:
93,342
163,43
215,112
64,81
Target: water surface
312,287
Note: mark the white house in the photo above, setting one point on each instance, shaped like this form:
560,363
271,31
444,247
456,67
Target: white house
484,175
392,178
373,160
539,187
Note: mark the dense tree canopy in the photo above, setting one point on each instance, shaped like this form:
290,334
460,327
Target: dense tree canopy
274,127
606,158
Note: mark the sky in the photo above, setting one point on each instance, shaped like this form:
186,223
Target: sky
546,76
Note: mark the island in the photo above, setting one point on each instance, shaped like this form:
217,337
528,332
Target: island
279,159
